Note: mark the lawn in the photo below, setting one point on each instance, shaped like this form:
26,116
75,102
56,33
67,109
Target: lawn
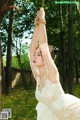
23,103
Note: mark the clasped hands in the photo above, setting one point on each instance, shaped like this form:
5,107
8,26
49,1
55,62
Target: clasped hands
40,17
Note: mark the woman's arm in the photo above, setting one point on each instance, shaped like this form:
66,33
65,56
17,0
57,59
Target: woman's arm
34,42
42,27
33,46
53,71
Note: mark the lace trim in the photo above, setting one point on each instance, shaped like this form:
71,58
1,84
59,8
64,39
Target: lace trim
71,112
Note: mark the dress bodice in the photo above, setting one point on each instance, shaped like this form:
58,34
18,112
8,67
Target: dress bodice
49,92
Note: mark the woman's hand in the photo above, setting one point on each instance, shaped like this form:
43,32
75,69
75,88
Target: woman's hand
41,14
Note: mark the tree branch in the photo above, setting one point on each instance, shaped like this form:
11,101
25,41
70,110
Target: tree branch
6,8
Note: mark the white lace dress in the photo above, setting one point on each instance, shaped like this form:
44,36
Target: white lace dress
53,103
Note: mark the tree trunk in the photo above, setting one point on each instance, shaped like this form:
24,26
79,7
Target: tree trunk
78,53
63,73
0,74
21,67
78,18
9,55
66,65
4,7
76,65
70,52
3,80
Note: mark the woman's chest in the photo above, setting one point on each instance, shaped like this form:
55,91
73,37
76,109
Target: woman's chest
49,92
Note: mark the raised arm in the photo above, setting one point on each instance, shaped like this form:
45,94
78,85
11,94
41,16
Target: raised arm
42,27
34,42
44,47
33,45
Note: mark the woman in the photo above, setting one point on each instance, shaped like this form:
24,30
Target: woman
53,103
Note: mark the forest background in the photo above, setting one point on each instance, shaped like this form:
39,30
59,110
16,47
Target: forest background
16,29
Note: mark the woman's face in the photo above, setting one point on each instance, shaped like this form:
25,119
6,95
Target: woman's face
38,58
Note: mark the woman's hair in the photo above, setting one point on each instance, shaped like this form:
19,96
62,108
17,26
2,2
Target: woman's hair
53,50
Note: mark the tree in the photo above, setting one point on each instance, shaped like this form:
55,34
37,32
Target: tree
9,54
0,76
5,6
63,72
18,53
70,52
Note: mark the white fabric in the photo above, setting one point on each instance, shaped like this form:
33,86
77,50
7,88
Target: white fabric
54,104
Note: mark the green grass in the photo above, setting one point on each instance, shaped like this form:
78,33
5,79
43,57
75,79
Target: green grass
23,103
77,90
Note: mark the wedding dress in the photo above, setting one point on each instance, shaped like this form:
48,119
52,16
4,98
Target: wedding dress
53,103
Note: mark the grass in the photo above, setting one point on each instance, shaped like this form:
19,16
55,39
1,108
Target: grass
23,103
77,90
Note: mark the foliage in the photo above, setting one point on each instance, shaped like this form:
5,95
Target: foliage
23,22
15,62
24,58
